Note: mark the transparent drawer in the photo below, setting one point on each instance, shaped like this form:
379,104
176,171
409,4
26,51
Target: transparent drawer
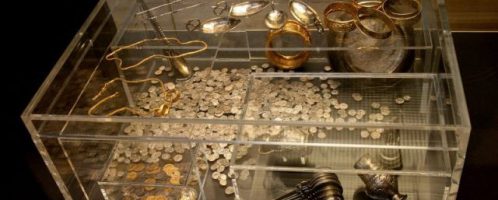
269,184
144,191
115,113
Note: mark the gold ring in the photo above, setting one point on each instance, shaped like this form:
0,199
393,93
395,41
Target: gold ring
340,25
284,61
375,4
404,19
370,12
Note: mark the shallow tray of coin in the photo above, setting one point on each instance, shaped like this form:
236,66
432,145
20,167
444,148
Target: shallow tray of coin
268,184
317,98
164,163
347,110
147,192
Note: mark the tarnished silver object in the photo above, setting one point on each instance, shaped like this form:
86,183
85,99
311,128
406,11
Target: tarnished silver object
391,158
368,54
378,186
247,8
213,26
275,19
320,186
305,14
220,7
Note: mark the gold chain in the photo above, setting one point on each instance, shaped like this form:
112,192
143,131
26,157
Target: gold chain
113,55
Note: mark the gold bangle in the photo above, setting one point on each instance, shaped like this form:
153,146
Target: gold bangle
375,4
284,61
339,25
367,12
404,19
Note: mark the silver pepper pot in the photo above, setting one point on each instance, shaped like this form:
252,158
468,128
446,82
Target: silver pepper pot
378,186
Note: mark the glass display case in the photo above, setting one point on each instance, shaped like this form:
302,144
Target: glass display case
284,99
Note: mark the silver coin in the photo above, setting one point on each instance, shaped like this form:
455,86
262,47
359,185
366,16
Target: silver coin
178,158
229,190
215,175
223,176
223,182
399,101
364,134
375,105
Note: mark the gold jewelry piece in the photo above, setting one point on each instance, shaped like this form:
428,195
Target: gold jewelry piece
305,14
404,19
375,4
340,25
114,54
150,181
284,61
170,97
132,176
370,12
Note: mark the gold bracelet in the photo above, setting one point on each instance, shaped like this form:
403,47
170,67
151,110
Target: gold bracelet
283,61
404,19
370,12
170,96
339,25
375,4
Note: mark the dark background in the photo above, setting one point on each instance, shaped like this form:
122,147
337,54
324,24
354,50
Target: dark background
39,40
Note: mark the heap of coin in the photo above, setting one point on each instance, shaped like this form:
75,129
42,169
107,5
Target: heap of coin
217,93
311,99
149,152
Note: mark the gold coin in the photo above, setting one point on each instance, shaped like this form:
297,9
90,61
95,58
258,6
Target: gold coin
156,197
153,169
168,168
132,176
136,167
151,197
149,181
175,173
167,191
175,180
160,197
